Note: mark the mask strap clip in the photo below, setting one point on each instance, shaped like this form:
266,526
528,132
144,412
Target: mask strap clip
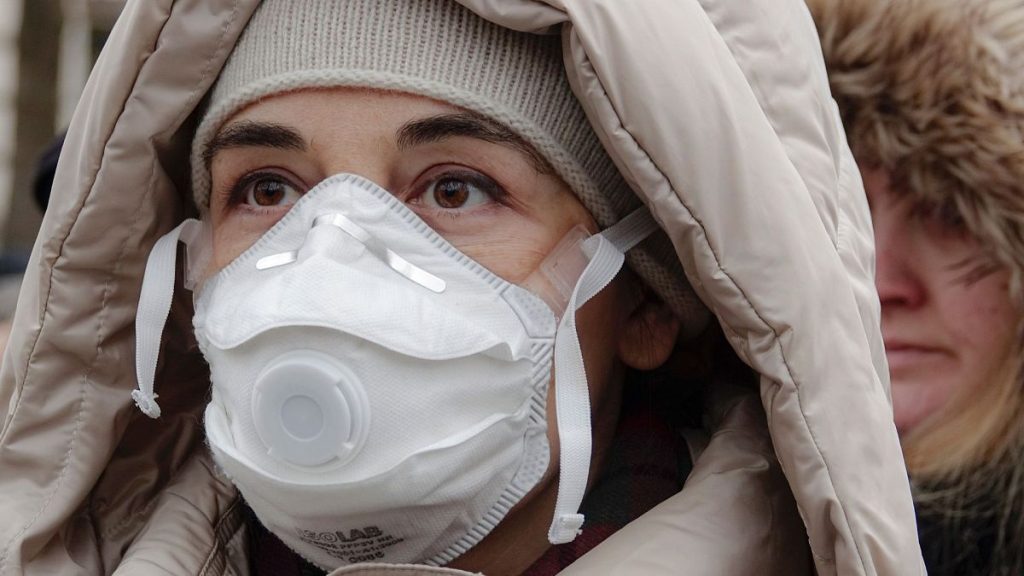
572,397
155,305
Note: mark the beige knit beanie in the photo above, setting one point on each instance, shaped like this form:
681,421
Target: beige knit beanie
441,50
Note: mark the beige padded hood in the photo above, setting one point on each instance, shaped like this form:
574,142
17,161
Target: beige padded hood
717,113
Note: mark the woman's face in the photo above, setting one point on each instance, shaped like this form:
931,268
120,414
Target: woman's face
946,333
472,181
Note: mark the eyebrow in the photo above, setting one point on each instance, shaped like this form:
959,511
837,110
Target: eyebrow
248,133
469,125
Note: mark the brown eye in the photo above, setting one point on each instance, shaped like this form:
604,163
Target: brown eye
271,192
451,193
459,191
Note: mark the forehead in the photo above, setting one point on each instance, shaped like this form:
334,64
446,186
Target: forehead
339,115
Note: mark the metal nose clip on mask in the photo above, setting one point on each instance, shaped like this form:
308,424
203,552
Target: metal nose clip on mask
378,395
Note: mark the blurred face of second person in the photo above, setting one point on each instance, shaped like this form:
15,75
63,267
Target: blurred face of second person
947,333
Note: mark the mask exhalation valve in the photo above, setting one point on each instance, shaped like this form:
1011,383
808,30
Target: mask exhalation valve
309,410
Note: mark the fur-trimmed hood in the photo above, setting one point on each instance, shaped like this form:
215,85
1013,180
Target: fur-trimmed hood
933,92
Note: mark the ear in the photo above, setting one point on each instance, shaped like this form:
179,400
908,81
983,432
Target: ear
649,334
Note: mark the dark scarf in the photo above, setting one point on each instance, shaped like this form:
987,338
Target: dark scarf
647,463
974,530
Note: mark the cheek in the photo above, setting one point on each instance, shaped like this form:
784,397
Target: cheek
982,320
228,244
513,253
234,235
513,260
982,326
515,242
226,247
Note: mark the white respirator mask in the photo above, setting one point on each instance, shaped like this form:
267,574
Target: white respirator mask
378,395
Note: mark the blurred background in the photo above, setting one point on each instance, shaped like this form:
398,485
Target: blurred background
47,48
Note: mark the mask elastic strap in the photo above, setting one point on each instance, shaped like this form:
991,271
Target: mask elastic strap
572,396
154,306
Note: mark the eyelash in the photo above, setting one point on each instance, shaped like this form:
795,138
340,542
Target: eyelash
237,192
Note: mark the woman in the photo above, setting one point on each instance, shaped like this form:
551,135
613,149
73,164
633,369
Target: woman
292,158
930,93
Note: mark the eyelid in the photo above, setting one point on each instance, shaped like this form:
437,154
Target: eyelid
237,191
485,183
939,222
